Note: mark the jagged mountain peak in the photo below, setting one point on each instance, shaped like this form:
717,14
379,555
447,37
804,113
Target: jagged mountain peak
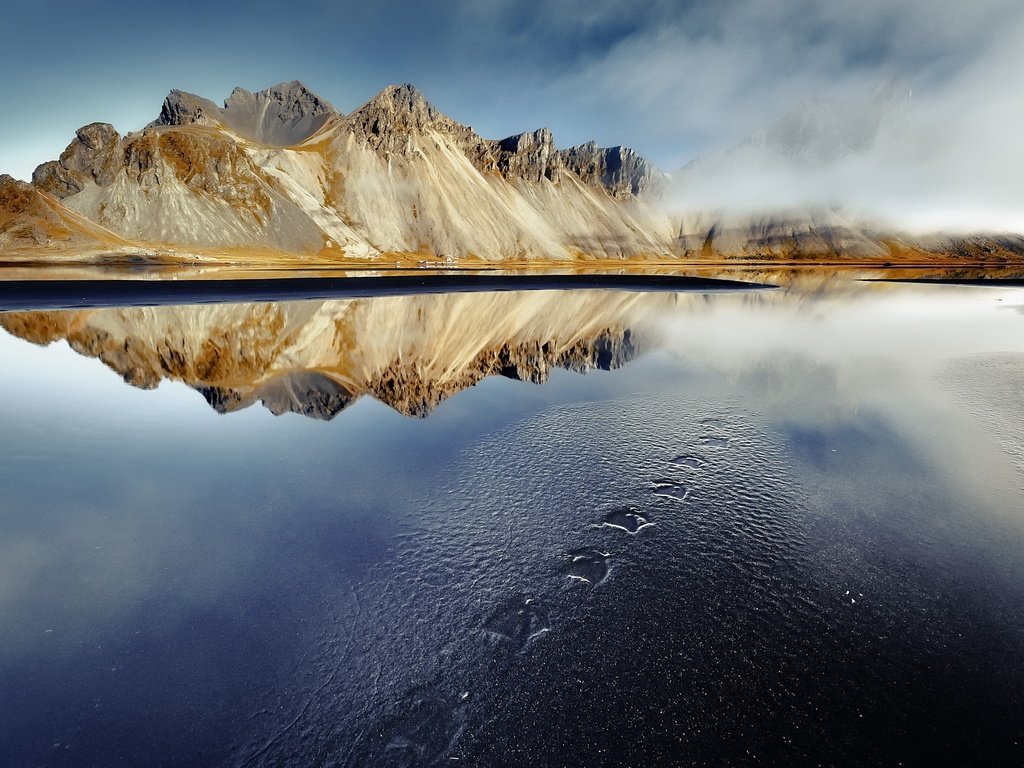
93,156
288,113
184,108
293,98
96,135
516,142
400,108
281,115
403,97
620,170
389,120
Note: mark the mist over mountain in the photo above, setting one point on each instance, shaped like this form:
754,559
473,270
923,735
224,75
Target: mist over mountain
869,160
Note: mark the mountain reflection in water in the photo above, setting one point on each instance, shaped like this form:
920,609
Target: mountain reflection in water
316,358
787,532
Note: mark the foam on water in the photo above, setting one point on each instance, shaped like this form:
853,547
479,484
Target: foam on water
517,622
627,519
690,462
588,565
671,489
715,441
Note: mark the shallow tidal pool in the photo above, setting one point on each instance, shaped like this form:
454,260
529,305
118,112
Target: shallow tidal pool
522,528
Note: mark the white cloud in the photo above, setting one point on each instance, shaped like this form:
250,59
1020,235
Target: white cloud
696,83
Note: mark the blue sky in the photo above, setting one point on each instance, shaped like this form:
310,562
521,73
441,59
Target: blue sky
671,79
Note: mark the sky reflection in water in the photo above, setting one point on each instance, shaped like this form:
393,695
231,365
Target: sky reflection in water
835,574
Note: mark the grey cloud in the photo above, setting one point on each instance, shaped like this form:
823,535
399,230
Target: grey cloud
701,80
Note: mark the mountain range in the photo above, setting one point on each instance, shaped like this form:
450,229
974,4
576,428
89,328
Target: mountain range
281,175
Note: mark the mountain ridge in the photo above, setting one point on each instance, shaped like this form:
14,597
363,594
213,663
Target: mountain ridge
282,172
282,169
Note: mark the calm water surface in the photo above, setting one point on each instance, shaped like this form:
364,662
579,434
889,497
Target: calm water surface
555,528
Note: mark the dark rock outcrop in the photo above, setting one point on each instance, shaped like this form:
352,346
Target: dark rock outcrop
307,393
292,101
388,120
529,156
619,170
95,155
183,108
282,115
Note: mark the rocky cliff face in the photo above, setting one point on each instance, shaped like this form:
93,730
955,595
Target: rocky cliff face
95,156
391,119
183,108
317,358
527,156
620,170
287,101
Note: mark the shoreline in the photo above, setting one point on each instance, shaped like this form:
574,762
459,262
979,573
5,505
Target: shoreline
30,295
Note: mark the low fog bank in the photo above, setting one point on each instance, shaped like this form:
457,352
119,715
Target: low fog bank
946,157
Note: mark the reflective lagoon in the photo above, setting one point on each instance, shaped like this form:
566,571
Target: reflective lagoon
586,527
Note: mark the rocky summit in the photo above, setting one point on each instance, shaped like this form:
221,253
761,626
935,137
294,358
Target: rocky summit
281,174
281,115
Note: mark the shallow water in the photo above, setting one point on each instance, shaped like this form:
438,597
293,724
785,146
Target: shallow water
775,528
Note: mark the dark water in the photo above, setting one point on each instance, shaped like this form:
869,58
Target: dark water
778,530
